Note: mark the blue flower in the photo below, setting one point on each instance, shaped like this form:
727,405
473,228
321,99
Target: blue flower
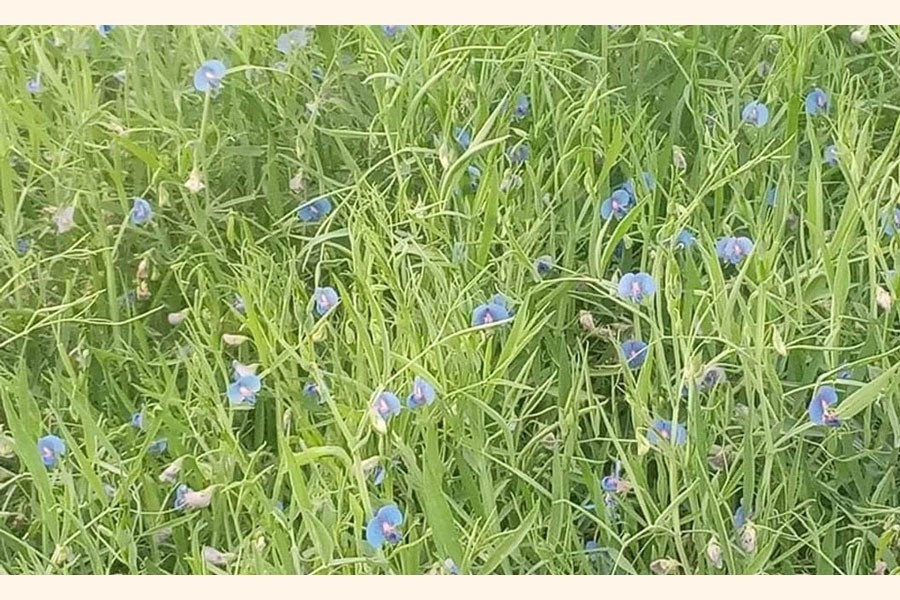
844,372
518,154
613,483
740,516
755,113
820,407
311,390
816,102
33,86
378,475
137,420
488,313
238,304
662,431
158,446
619,202
296,38
104,30
543,265
315,211
830,155
51,448
733,249
771,195
392,30
462,137
244,389
383,526
141,211
180,492
387,405
890,224
326,299
208,77
23,245
474,176
686,239
634,352
648,180
522,107
712,376
422,393
636,287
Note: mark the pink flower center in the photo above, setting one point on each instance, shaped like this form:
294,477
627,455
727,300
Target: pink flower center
615,205
323,300
47,452
244,391
488,317
383,407
635,289
753,115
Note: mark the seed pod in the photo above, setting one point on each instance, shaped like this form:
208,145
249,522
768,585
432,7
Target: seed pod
217,558
714,553
860,36
883,299
748,538
143,290
177,317
586,319
664,566
231,339
143,269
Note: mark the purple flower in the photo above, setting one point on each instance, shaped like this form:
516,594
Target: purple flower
422,393
208,77
733,249
141,211
820,407
383,527
634,352
326,299
315,211
662,431
51,448
755,113
386,405
244,389
816,102
636,287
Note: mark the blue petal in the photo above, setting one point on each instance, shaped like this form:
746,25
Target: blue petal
762,114
606,209
326,299
234,394
647,283
390,514
462,137
811,106
745,245
722,247
373,533
609,484
625,285
635,353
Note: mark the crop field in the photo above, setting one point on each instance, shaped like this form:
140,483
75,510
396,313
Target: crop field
449,300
